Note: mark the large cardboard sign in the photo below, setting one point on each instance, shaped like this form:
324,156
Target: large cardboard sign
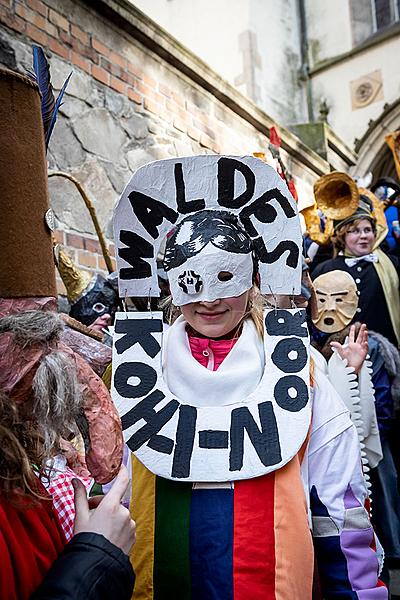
162,193
178,440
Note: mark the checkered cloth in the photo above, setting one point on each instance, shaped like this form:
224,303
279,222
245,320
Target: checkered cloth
62,492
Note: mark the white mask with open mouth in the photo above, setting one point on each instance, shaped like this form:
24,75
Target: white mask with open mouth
337,301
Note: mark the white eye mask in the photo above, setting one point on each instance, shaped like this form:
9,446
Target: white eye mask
211,274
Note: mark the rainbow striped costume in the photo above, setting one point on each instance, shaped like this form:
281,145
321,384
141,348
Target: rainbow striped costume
222,542
253,538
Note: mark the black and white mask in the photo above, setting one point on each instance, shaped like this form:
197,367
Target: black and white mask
209,256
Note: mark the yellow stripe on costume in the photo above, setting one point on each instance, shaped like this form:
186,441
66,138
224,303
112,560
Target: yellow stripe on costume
143,512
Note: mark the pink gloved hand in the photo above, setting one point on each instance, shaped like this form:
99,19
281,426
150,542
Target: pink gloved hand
109,518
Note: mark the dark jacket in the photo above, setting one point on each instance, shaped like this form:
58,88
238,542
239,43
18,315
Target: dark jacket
89,568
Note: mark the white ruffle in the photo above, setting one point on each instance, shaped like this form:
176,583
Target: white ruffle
358,395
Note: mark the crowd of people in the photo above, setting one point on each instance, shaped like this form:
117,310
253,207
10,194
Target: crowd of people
241,441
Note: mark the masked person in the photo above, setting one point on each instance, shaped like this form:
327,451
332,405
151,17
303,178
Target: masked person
362,380
241,454
92,298
356,241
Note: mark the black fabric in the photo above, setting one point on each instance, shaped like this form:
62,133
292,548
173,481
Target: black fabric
89,568
373,310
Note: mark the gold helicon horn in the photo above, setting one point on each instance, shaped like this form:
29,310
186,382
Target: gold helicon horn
336,196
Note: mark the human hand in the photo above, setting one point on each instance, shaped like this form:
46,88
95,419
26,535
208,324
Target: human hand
109,518
356,350
101,322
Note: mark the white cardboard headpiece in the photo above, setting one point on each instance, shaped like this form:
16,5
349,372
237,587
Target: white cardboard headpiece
162,193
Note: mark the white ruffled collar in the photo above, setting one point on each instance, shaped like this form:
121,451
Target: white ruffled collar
236,378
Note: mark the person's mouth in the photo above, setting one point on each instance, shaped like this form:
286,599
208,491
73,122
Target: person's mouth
211,316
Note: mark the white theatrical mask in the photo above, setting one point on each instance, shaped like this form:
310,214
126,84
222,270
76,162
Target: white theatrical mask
337,301
211,274
209,256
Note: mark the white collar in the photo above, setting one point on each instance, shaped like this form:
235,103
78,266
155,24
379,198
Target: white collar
236,378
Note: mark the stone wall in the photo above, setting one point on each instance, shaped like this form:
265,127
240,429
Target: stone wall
135,95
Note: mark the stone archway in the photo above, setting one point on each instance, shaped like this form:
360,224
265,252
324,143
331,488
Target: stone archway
373,153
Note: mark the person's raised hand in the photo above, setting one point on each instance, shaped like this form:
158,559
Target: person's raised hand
110,518
356,349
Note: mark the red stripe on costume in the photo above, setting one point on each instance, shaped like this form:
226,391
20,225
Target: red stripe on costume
254,539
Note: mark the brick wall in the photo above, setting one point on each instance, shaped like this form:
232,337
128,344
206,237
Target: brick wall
129,102
39,22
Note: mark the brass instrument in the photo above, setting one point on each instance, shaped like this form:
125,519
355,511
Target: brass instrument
393,141
379,214
336,195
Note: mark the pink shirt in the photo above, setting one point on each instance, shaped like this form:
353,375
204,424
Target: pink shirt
210,353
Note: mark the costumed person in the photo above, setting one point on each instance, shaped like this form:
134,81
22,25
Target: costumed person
33,363
242,455
33,355
364,385
93,299
359,226
36,561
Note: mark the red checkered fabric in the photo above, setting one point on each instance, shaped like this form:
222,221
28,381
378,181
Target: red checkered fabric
62,492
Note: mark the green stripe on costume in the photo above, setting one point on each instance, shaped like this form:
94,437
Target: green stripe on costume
171,545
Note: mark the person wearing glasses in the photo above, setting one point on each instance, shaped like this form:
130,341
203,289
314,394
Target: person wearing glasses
375,273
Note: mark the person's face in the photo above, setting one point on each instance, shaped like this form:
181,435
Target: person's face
360,239
218,318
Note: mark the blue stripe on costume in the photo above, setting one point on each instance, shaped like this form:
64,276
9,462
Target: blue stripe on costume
332,564
211,544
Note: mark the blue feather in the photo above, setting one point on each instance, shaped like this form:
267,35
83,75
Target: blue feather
50,106
42,72
55,110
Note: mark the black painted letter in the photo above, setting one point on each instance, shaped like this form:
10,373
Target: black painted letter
137,250
138,331
281,359
284,323
265,442
183,206
227,168
150,212
282,397
145,373
185,433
